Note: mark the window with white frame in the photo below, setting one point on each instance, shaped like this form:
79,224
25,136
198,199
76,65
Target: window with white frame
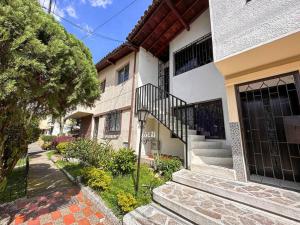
113,122
123,74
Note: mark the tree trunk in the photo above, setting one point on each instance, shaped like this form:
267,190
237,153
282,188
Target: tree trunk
61,125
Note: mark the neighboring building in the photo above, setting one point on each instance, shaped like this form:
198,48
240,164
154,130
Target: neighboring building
111,117
50,126
257,49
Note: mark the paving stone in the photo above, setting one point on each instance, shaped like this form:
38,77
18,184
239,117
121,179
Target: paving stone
210,209
153,214
51,208
279,201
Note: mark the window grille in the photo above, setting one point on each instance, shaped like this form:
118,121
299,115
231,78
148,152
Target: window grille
113,122
194,55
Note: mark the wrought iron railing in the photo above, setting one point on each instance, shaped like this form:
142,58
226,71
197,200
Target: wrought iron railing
168,109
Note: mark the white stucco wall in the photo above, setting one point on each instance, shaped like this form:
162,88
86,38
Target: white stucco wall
147,68
238,26
203,83
147,72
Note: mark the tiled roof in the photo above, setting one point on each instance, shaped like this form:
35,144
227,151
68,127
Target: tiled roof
114,55
143,19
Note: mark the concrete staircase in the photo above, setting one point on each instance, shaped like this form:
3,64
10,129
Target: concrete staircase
194,198
210,157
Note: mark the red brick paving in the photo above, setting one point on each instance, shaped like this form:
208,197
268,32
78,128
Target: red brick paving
61,207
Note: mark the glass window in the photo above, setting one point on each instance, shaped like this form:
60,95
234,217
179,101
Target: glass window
194,55
123,74
102,86
113,122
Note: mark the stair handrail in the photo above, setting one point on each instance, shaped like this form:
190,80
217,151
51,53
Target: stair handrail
168,109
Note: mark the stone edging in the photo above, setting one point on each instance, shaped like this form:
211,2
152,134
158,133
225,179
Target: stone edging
93,196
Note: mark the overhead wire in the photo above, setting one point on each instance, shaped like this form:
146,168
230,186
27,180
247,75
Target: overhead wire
84,29
109,19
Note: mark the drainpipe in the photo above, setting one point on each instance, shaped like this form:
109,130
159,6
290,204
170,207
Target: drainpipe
132,101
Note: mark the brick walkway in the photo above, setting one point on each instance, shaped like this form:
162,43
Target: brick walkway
53,199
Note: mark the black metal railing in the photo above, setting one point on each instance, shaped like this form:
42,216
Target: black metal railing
168,109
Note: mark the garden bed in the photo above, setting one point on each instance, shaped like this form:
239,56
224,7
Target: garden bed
118,185
111,174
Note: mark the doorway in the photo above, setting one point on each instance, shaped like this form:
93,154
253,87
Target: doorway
270,119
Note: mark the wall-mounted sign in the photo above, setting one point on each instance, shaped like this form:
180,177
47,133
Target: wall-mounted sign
148,136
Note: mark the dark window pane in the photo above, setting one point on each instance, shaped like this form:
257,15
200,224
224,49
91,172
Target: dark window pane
123,74
113,122
194,55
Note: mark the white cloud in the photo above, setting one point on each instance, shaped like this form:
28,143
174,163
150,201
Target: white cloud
71,11
82,1
88,29
100,3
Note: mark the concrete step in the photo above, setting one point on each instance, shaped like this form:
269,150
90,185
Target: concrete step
193,137
153,214
215,171
275,200
206,209
206,144
216,161
220,152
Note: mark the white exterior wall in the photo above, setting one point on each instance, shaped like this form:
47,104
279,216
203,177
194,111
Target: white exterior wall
147,68
203,83
147,72
238,26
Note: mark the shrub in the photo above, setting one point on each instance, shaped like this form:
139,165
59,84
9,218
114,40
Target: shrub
91,152
123,162
96,178
48,138
62,147
46,145
60,139
126,202
166,166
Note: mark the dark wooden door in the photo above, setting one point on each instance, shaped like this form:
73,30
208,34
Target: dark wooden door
270,115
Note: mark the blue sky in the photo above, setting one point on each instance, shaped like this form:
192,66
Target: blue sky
89,14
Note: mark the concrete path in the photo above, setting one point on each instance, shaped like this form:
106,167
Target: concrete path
43,175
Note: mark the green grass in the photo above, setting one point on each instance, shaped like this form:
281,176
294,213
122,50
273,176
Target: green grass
73,168
51,153
121,184
16,183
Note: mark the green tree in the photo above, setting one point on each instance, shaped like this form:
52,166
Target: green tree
43,70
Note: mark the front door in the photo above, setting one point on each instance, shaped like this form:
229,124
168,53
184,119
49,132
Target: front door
270,115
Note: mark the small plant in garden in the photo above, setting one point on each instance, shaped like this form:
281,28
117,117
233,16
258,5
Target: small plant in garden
166,166
126,202
48,138
61,139
91,152
123,162
96,178
46,145
62,147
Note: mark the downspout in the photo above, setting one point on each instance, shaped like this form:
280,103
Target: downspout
132,101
